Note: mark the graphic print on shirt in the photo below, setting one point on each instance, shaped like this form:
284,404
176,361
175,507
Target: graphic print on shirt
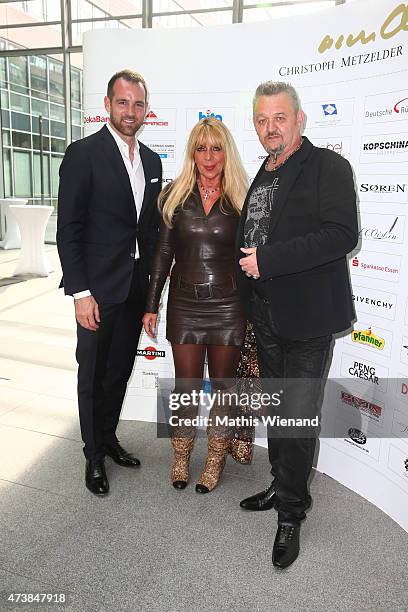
259,210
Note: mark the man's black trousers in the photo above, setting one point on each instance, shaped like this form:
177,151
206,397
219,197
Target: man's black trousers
303,364
105,361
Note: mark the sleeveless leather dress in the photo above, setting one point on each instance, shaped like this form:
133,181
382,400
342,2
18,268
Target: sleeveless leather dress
203,305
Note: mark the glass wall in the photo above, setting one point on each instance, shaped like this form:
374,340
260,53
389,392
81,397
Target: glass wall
34,133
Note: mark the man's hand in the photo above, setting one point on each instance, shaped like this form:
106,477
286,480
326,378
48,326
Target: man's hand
87,313
149,323
249,264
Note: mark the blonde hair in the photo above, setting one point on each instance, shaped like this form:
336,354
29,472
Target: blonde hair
234,182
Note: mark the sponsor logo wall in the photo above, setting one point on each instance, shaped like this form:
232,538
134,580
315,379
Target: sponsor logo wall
350,69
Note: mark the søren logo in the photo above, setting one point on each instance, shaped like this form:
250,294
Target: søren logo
377,188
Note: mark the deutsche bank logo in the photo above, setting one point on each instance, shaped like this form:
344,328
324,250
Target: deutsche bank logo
208,114
329,109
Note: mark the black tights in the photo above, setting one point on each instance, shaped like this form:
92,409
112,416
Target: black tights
189,367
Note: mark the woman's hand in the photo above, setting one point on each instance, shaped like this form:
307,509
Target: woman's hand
149,323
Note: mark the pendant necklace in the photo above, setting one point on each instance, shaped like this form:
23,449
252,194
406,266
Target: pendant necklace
207,192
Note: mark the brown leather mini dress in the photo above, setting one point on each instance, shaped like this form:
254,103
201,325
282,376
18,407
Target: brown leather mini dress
203,305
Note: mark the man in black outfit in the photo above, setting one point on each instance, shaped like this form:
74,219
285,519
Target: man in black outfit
298,224
107,229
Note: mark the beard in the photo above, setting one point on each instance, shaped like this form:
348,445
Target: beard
124,128
275,151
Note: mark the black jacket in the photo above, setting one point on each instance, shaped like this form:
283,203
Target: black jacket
97,224
313,226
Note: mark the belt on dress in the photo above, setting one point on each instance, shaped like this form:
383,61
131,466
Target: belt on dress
205,290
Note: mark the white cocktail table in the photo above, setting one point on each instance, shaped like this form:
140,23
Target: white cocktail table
12,238
32,221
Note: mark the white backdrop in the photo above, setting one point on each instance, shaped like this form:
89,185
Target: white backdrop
349,64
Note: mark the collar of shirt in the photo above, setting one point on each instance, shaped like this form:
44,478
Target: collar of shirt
123,146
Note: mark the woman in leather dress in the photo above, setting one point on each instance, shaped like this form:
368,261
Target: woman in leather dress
200,213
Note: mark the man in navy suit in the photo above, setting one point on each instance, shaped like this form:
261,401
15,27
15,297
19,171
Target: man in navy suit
107,229
298,223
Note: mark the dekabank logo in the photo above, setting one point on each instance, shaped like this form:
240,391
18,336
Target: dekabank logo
329,110
208,114
357,436
153,119
368,337
150,353
379,188
385,145
96,119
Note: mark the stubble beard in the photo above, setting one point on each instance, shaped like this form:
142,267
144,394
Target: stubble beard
126,130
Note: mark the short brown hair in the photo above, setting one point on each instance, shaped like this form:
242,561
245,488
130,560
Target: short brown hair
128,75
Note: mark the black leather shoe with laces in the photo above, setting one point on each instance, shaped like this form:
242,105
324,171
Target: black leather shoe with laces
286,545
121,456
265,500
96,480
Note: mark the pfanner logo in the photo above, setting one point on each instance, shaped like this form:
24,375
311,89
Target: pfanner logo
368,337
207,114
150,353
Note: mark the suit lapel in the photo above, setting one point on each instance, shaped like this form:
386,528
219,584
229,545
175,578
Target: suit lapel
147,173
287,180
111,150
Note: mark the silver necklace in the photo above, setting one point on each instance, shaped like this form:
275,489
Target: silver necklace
207,192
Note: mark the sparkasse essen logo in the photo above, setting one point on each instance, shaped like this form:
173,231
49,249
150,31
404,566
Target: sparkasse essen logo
153,119
368,337
207,114
150,353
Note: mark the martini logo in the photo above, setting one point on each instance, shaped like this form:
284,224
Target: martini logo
357,436
153,119
209,114
329,109
150,353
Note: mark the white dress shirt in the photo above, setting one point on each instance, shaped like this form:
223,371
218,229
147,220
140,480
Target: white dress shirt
137,183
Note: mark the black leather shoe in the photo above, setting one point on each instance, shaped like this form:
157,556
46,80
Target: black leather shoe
265,500
120,456
95,477
202,488
286,545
